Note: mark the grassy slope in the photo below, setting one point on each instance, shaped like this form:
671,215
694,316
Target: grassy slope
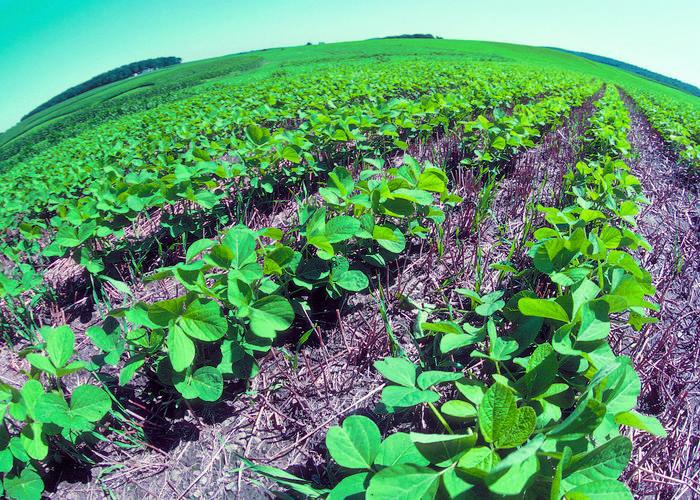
300,58
164,77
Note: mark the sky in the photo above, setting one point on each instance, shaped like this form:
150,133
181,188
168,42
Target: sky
47,46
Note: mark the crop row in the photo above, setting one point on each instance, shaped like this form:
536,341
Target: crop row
557,382
547,423
678,123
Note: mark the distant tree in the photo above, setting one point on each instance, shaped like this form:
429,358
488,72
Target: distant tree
651,75
115,75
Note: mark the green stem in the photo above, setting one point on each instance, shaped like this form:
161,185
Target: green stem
440,418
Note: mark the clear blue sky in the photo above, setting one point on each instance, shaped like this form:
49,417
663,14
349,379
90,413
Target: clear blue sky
47,46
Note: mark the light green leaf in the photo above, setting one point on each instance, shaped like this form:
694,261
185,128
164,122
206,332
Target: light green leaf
395,396
428,379
443,449
404,481
542,308
351,488
59,345
180,349
34,441
270,315
595,321
206,383
633,419
482,458
515,479
356,444
203,320
341,228
28,486
90,402
399,449
398,370
606,489
353,281
604,462
497,412
459,409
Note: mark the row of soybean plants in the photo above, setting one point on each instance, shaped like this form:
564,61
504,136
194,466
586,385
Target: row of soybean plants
547,422
83,194
246,287
678,123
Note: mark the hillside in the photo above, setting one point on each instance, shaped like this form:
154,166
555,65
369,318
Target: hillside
417,267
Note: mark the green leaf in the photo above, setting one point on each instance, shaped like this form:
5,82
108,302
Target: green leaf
459,409
541,370
270,315
499,143
278,259
90,402
633,419
399,449
341,228
161,313
257,135
393,241
206,383
415,195
52,408
515,479
28,486
512,474
443,327
497,412
604,462
556,483
59,345
443,449
428,379
611,236
473,390
542,308
595,321
481,458
31,391
398,370
41,362
404,481
197,248
290,154
607,489
395,396
6,461
617,385
203,320
351,488
241,241
34,441
180,349
583,421
521,429
353,281
356,444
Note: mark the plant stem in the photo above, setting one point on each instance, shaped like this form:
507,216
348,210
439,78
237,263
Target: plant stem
440,417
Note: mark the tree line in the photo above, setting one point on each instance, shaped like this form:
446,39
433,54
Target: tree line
115,75
651,75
